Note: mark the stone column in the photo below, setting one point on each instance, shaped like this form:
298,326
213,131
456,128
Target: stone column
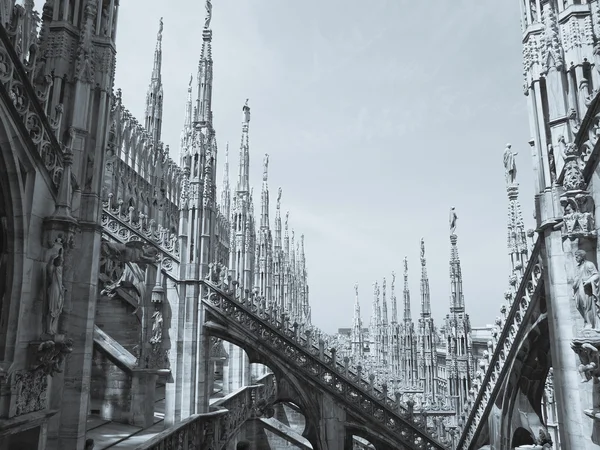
143,390
562,245
173,317
331,429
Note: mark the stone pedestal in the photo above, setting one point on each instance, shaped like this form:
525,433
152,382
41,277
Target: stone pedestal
129,397
143,397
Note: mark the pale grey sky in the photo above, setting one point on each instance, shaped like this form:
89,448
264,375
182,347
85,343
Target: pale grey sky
378,117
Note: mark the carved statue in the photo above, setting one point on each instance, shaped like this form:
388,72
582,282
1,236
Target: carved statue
265,167
134,252
279,198
55,289
356,289
208,14
50,355
544,439
157,325
131,280
422,249
160,30
510,165
287,217
453,219
585,290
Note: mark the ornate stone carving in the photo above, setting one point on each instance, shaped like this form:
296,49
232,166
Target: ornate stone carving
51,354
55,290
84,64
156,358
157,325
585,290
131,252
29,388
586,347
132,280
510,165
577,203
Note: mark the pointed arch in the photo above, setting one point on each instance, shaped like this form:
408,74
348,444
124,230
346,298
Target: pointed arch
13,230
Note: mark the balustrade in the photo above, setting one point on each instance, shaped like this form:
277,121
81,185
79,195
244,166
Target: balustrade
28,90
500,349
271,327
125,226
215,429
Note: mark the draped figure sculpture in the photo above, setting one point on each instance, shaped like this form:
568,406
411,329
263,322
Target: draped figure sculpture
157,324
585,290
510,165
55,290
453,219
208,14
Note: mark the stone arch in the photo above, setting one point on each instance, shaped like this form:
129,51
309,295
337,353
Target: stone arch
300,426
13,193
289,387
378,441
529,372
521,436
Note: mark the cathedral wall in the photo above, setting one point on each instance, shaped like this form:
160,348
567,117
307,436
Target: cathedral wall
117,319
110,388
139,171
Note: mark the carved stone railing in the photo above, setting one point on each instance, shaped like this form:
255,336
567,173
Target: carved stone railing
126,227
213,430
495,367
18,54
274,332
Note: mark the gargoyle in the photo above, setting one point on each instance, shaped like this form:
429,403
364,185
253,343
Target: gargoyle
50,356
131,252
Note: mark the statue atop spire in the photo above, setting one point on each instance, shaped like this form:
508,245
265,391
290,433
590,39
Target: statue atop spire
405,267
510,165
422,252
279,198
160,30
191,79
208,14
356,289
265,167
453,219
246,111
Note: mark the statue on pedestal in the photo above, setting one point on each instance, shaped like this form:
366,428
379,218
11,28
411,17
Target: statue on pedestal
208,14
585,290
55,290
453,219
157,325
510,165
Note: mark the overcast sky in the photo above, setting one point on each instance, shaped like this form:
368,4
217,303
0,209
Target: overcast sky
378,117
